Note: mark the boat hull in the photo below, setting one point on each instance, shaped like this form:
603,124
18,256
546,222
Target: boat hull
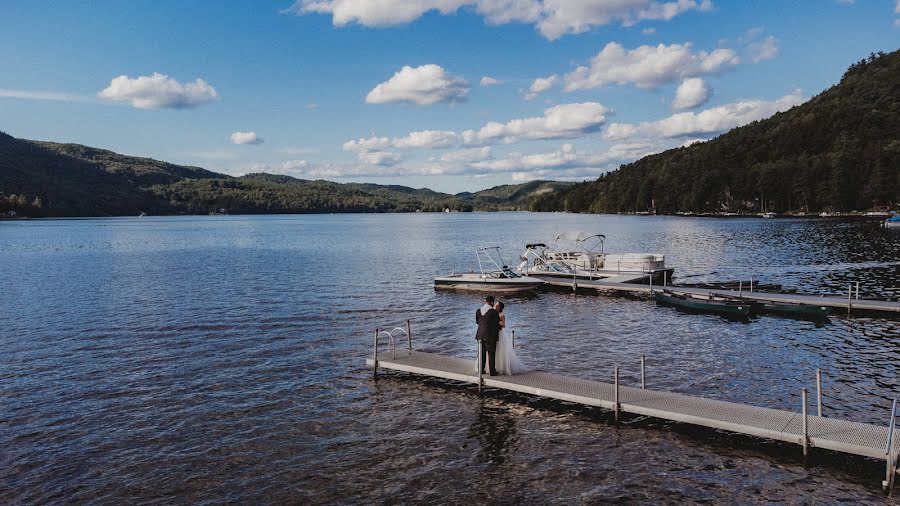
796,310
487,285
724,308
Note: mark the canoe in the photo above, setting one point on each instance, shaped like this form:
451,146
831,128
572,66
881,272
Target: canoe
792,309
734,308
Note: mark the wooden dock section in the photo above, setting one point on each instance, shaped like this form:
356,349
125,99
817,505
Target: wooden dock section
796,427
848,303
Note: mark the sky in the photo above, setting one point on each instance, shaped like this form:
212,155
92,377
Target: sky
453,95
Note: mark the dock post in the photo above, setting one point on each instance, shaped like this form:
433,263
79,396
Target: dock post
751,284
651,284
805,428
375,356
480,365
849,300
643,382
616,379
889,450
819,391
409,335
857,290
741,288
514,338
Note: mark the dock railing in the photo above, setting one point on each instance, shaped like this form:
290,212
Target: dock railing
891,453
621,399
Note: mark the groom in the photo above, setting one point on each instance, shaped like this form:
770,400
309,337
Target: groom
488,320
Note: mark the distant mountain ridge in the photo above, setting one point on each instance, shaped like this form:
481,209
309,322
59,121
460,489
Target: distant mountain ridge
39,178
840,151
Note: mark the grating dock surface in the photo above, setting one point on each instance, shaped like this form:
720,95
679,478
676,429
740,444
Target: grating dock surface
862,439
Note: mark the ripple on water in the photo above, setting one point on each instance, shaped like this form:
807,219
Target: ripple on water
220,359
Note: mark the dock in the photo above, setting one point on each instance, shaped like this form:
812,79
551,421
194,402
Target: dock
796,427
847,303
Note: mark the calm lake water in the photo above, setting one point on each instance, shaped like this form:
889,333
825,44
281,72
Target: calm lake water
221,359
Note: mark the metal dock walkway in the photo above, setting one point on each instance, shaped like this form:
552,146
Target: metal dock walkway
849,303
798,427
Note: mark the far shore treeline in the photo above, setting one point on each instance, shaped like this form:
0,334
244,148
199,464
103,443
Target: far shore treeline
838,152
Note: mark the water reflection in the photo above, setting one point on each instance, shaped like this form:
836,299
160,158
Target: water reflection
494,428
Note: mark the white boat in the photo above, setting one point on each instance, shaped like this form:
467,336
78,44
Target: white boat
878,214
768,215
498,278
585,259
892,222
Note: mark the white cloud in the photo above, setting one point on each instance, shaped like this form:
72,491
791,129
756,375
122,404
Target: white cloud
566,121
468,155
383,158
897,23
763,50
648,31
565,16
158,91
423,139
553,18
246,138
540,85
424,85
559,122
692,92
44,95
648,66
489,81
897,7
312,106
710,121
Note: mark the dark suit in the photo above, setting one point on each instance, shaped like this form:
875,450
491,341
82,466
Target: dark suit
488,333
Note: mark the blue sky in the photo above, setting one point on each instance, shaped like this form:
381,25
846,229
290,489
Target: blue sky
390,91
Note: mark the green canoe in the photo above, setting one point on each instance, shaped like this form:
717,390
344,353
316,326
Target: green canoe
735,308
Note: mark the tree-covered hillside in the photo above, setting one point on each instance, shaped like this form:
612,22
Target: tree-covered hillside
40,179
839,151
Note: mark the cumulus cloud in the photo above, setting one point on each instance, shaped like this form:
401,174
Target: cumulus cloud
648,31
423,139
467,155
424,85
553,18
246,138
489,81
566,121
692,92
383,158
559,122
710,121
763,50
540,85
158,91
648,66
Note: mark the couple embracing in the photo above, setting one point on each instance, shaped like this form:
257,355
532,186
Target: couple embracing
496,347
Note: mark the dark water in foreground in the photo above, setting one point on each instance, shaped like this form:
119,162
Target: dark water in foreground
221,359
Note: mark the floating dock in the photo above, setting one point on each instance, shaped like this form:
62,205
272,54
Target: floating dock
798,427
849,303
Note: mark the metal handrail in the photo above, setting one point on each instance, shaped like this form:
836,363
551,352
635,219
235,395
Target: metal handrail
892,422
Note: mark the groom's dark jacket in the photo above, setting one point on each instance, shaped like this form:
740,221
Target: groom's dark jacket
488,325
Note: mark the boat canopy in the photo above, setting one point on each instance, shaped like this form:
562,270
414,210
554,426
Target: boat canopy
579,236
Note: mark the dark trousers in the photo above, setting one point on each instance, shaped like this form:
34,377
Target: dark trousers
489,348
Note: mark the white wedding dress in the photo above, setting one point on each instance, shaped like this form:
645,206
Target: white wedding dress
507,361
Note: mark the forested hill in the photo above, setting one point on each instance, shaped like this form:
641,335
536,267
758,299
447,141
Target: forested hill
839,151
39,179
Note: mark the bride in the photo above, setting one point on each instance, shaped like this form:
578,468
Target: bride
507,361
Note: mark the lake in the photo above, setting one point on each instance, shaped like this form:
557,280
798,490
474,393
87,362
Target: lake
221,359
